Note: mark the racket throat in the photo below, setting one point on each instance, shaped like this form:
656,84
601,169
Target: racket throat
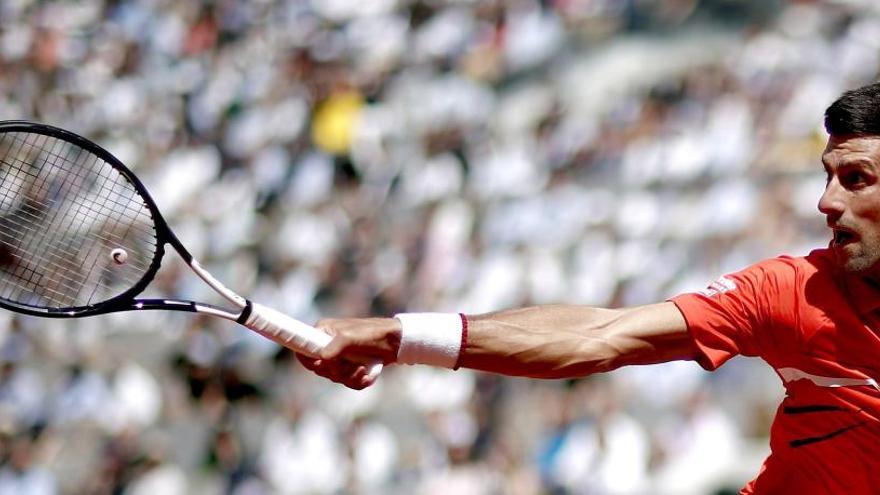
218,286
181,305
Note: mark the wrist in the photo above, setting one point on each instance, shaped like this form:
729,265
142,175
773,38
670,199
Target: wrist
393,337
436,339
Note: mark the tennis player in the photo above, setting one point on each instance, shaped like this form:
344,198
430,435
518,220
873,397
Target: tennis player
814,319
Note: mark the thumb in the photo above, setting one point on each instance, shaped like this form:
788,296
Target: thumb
335,348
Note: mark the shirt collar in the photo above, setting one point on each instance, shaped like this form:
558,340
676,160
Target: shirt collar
865,294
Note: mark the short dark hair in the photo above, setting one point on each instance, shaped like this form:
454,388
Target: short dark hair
856,112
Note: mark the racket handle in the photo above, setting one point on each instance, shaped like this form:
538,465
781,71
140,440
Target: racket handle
294,334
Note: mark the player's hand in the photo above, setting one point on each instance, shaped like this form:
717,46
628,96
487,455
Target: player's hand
355,341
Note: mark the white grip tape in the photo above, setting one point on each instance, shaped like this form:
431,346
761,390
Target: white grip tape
287,331
430,338
293,334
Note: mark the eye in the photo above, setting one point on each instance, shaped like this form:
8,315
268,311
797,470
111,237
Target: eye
853,179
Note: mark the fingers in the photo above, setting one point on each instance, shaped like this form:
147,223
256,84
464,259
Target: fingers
308,363
352,375
355,355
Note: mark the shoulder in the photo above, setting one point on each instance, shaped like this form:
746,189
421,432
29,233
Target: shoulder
782,275
793,269
818,259
782,285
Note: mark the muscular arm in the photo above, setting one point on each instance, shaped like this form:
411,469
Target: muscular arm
570,341
558,341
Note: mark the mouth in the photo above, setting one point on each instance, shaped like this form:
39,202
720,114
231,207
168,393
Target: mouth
843,236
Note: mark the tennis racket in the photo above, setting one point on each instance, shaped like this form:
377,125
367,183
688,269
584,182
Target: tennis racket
81,236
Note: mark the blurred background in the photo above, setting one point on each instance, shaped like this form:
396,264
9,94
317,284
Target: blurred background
348,158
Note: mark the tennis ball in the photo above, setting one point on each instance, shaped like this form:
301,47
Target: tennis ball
119,256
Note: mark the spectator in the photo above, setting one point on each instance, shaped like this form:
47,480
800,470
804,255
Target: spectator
337,158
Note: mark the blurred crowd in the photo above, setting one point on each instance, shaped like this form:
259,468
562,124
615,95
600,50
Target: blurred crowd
348,158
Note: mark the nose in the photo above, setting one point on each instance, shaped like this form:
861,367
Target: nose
831,203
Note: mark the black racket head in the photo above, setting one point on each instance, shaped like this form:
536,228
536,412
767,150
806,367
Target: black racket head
79,234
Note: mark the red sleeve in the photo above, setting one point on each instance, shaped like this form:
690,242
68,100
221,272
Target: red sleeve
732,316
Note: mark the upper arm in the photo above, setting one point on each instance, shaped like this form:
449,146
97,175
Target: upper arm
650,334
743,313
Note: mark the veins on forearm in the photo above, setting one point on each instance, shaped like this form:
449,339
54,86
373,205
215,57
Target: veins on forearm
544,350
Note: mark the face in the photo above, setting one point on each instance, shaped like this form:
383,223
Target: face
851,202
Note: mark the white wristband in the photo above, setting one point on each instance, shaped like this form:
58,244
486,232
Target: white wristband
430,338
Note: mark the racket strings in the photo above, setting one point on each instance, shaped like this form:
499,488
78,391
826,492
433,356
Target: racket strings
104,199
74,244
28,270
62,211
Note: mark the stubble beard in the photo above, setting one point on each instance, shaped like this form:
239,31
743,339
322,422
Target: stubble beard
865,261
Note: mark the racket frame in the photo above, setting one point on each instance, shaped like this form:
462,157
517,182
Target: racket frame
127,300
276,326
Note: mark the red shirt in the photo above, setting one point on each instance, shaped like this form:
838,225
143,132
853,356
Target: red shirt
818,328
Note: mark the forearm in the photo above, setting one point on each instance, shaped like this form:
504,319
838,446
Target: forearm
542,342
571,341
